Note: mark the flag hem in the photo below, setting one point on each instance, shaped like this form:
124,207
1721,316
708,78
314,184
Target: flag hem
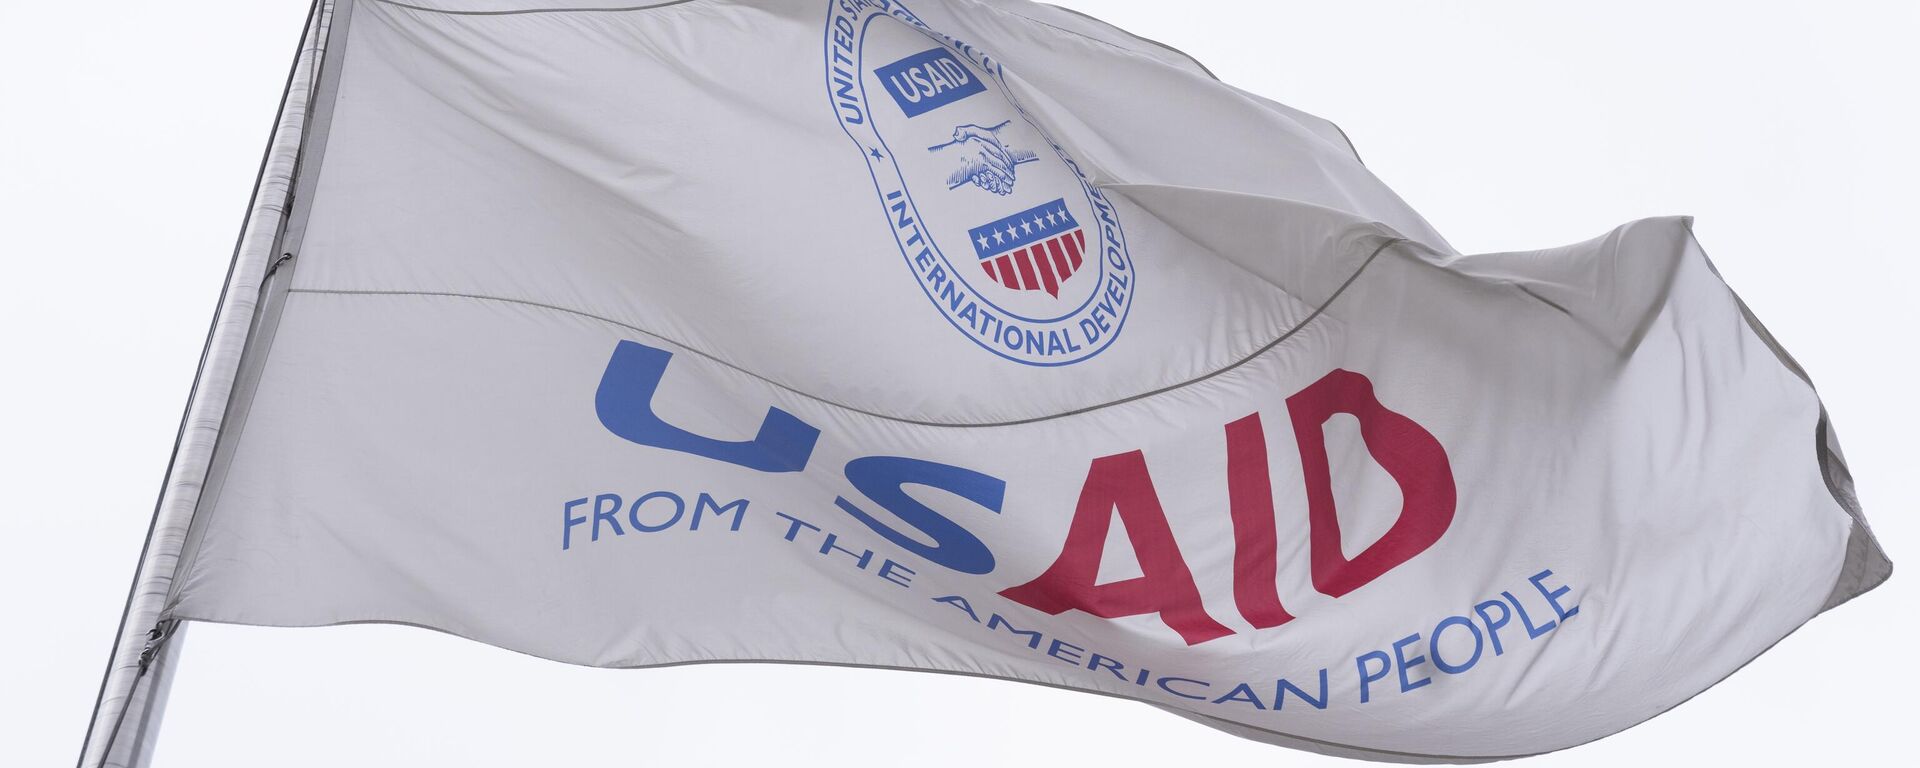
127,685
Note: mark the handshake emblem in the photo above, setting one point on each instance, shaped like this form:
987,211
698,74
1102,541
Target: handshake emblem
985,161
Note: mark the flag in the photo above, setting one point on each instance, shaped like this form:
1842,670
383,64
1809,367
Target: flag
967,336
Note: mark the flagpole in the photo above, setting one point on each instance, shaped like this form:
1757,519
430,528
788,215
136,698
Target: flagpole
132,690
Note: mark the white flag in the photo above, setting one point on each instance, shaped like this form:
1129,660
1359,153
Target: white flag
971,336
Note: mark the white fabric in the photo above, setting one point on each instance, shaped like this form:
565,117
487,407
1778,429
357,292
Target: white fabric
133,691
507,198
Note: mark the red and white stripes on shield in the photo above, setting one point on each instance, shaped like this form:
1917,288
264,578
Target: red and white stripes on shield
1044,265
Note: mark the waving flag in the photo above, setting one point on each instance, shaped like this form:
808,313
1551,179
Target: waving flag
970,336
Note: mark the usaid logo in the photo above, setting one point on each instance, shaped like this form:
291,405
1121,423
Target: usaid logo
928,81
993,219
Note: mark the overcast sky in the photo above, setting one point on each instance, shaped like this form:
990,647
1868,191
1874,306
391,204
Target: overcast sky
130,133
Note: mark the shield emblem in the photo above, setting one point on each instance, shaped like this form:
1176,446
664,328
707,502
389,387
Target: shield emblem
1034,250
962,169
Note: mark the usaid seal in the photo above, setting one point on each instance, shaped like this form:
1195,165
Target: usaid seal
996,222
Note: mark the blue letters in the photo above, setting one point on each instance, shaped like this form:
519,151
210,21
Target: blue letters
1526,621
1386,665
1553,597
566,516
881,478
1493,627
1281,686
633,512
1454,669
625,405
1399,655
927,81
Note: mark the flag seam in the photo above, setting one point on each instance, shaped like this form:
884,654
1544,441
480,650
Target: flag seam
1250,357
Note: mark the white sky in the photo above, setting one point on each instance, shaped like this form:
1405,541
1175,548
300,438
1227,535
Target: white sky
129,138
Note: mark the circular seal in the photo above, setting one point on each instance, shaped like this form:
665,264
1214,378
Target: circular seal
995,221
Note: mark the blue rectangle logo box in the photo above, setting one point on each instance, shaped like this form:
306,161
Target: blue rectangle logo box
928,80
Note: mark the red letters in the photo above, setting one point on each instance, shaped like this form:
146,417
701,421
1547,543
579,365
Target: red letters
1120,484
1406,451
1250,502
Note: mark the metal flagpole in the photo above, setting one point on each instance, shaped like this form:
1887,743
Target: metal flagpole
133,689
